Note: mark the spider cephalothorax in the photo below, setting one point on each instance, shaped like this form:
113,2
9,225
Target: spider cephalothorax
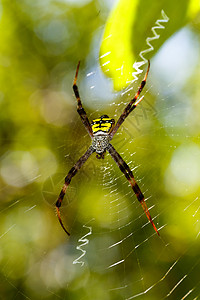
101,131
99,143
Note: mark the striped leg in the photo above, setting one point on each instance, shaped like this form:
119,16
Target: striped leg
80,108
68,179
129,176
131,105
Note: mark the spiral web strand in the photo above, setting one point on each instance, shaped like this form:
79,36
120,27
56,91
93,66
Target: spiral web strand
149,40
84,242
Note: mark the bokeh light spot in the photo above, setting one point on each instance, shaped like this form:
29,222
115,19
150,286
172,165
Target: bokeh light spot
183,173
18,168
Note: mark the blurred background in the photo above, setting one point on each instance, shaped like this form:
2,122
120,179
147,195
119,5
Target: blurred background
41,137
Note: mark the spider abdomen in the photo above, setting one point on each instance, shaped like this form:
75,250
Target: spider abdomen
102,124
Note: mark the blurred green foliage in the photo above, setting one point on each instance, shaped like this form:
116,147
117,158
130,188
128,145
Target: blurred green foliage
42,136
128,27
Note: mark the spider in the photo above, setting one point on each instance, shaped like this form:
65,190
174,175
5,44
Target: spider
101,131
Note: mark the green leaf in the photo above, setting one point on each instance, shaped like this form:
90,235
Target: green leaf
128,29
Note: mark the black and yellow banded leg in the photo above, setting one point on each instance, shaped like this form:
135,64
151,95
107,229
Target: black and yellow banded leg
129,176
68,179
131,105
80,109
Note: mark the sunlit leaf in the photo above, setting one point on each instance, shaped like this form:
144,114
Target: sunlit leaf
128,29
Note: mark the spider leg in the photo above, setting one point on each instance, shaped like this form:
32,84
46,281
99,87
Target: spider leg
129,176
131,105
68,178
80,108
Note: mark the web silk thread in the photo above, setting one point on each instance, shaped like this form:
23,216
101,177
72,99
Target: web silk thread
84,242
155,36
